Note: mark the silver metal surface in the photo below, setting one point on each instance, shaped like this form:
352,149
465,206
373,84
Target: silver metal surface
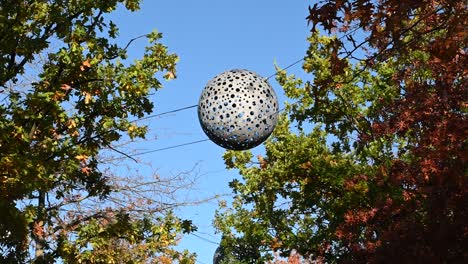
238,109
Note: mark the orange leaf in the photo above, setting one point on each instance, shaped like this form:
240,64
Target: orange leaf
86,170
66,87
85,65
170,75
38,229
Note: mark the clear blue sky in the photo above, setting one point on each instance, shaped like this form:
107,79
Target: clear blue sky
210,36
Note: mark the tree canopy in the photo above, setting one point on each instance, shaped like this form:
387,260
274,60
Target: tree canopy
367,165
67,92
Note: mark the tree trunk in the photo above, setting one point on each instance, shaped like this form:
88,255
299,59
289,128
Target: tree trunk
38,229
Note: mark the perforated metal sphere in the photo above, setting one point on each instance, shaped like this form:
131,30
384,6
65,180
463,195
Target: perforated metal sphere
238,109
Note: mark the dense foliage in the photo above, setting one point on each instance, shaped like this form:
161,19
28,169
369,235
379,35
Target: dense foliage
368,164
67,91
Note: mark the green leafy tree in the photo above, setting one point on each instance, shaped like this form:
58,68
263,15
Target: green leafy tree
368,164
67,93
235,251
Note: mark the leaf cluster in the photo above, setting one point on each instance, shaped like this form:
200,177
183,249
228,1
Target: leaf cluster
368,164
68,93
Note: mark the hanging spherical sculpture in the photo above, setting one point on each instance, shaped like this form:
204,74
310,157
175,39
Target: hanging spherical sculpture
238,109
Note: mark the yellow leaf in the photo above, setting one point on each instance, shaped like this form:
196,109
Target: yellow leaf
81,157
88,97
58,96
71,124
132,128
